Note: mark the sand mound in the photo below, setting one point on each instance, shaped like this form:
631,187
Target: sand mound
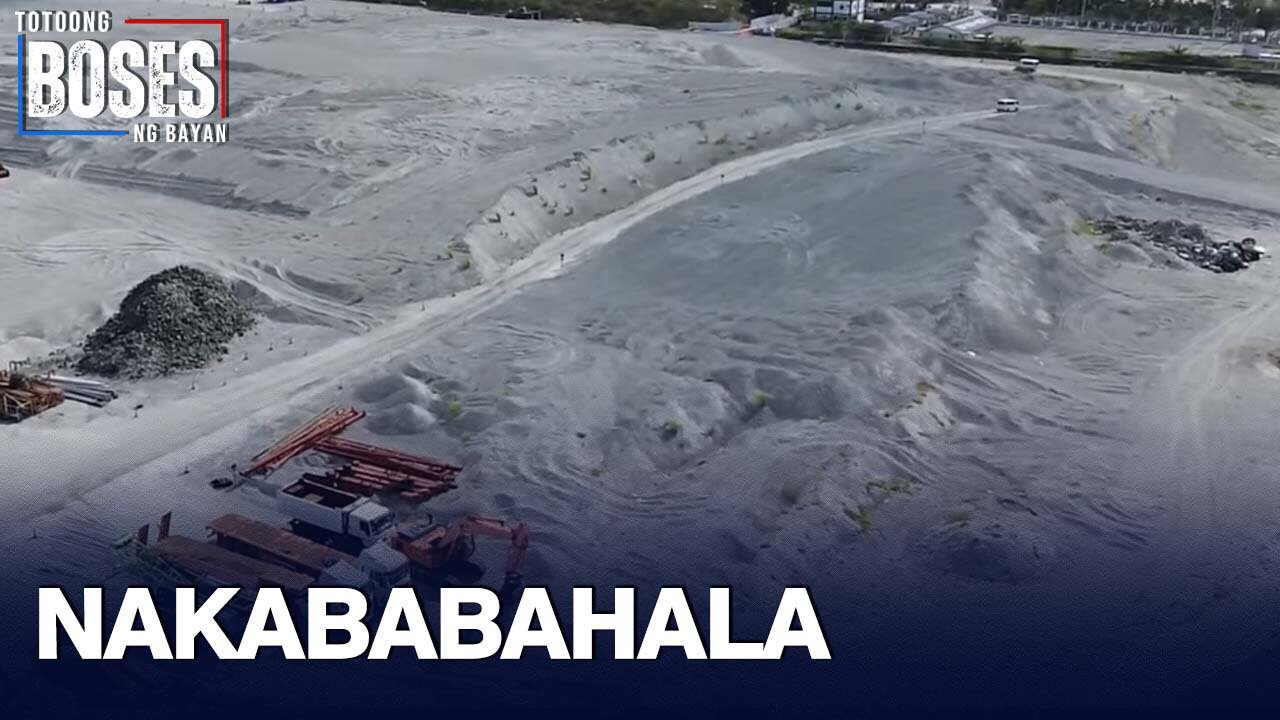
722,56
178,319
607,178
995,551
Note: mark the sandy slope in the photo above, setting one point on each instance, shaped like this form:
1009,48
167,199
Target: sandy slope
265,397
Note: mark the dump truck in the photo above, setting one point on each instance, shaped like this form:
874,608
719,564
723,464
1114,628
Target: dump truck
377,569
333,517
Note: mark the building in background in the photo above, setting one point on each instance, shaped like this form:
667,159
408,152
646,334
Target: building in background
974,27
839,10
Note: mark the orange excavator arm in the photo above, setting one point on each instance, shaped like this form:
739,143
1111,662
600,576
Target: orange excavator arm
493,527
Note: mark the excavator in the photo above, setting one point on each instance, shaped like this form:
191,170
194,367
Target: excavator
444,549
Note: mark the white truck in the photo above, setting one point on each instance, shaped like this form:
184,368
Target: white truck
335,518
1028,65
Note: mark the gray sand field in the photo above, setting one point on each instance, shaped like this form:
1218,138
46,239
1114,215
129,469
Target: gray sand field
823,318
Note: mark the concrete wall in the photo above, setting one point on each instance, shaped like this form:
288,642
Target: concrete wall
730,26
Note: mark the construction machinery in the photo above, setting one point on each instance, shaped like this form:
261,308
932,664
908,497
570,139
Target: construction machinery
182,561
437,548
367,469
376,570
251,554
333,517
22,396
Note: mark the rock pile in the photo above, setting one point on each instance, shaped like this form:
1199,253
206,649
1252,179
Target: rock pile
1188,241
178,319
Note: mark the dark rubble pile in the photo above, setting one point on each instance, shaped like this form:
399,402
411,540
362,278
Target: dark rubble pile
177,319
1188,241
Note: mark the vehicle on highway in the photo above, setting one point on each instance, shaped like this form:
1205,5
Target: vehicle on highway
1007,105
1028,65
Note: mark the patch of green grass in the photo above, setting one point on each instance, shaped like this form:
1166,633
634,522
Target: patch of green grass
760,399
1084,228
882,490
923,388
861,516
671,428
1249,106
878,492
452,409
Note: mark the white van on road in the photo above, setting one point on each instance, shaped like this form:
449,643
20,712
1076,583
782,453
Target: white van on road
1007,105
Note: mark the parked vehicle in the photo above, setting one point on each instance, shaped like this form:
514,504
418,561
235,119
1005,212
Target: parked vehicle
441,549
334,517
182,561
377,568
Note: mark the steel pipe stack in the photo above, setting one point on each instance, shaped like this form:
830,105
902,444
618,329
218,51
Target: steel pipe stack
89,392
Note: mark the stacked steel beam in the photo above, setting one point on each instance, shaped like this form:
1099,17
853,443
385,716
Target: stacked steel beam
377,469
88,392
330,422
369,469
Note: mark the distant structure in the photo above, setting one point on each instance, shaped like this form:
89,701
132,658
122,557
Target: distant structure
771,24
827,10
917,22
1259,52
730,26
975,27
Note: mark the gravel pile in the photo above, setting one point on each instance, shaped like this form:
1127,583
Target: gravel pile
178,319
1188,241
